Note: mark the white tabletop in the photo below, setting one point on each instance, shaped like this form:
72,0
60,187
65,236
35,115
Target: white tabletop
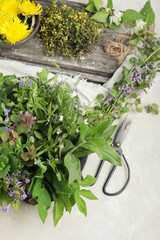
135,214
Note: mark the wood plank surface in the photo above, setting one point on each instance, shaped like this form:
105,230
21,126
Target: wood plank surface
95,66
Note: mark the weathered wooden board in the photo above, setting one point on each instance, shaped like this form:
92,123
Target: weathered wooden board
95,66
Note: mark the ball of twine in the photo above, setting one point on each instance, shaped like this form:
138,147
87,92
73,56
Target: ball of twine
120,48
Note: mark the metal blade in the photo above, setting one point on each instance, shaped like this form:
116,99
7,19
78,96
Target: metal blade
122,132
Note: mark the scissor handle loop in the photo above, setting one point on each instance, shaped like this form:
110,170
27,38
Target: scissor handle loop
109,178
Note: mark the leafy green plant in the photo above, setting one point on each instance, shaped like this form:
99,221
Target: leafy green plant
113,18
42,137
67,31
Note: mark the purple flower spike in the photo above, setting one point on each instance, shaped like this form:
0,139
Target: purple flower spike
6,111
21,84
6,209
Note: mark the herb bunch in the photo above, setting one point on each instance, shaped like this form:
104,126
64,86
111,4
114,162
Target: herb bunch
140,21
67,31
42,136
135,81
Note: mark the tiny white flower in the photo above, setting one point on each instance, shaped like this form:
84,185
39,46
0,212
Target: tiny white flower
108,10
140,24
114,19
60,118
86,121
48,119
118,14
31,139
37,161
59,131
6,119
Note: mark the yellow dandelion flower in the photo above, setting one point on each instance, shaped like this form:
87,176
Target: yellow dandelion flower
10,8
3,18
30,8
15,30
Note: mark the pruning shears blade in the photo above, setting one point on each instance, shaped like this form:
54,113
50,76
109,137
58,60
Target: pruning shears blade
122,132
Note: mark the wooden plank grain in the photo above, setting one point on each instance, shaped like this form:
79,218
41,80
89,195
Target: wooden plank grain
96,66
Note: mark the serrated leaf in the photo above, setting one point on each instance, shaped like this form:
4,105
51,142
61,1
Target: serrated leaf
131,15
73,165
88,194
100,16
82,206
98,4
90,7
148,13
58,210
89,180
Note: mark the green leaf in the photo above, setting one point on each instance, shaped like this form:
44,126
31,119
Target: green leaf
132,60
43,74
88,194
61,186
109,154
98,4
98,130
137,101
148,13
100,16
58,210
135,40
73,166
89,180
131,15
55,65
82,206
66,201
125,109
50,132
44,203
107,134
38,135
110,4
37,188
139,109
90,7
155,106
114,93
16,205
13,162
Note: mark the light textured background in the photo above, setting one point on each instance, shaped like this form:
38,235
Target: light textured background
135,214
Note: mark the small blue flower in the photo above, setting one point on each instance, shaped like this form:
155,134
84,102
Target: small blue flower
5,128
21,84
29,82
6,111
